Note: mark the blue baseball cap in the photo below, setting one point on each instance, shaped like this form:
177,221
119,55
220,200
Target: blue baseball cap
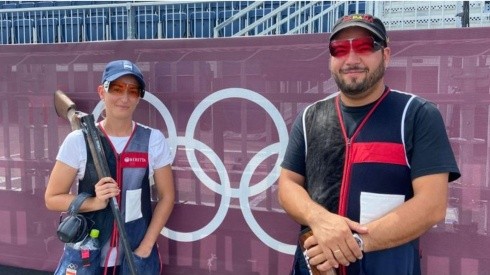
116,69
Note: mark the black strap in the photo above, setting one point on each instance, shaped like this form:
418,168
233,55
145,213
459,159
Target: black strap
77,202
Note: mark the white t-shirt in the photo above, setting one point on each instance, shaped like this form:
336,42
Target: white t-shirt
73,151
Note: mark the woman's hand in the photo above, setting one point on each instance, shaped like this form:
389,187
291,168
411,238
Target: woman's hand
105,189
143,252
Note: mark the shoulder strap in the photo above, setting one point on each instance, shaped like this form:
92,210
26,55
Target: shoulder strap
77,202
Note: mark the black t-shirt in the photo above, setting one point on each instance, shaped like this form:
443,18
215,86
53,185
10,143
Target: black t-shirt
353,116
428,148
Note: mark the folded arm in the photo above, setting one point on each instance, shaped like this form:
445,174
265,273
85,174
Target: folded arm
331,231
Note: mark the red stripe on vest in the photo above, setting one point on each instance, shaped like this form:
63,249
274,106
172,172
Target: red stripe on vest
378,152
133,160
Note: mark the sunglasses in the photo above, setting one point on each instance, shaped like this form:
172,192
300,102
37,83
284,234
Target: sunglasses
363,45
119,88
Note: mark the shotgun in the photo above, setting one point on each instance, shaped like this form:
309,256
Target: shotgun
66,108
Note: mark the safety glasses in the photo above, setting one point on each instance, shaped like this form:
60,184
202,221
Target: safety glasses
363,45
118,88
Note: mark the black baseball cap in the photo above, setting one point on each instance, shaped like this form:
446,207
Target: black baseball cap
366,21
115,69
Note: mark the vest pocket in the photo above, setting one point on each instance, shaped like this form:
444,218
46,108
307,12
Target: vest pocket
133,205
375,205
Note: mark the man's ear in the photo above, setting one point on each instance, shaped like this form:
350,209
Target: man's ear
387,56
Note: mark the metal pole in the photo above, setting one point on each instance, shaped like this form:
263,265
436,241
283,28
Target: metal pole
465,18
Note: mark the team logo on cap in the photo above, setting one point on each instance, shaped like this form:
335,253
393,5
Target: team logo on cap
127,65
358,17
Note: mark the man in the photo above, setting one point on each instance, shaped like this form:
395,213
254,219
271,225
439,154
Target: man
367,168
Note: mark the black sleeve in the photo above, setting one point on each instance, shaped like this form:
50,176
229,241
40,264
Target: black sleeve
429,149
294,158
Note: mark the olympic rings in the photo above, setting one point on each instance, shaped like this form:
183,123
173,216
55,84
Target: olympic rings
244,94
224,190
224,187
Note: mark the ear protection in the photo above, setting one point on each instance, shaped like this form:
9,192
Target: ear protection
74,227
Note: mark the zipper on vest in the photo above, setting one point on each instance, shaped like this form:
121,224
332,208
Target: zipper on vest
119,177
344,188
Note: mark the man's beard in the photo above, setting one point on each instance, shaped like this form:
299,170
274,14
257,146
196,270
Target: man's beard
357,87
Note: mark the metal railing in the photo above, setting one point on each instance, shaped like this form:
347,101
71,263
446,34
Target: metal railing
164,20
406,15
158,20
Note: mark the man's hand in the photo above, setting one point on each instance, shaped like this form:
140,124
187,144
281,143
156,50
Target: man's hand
332,242
313,255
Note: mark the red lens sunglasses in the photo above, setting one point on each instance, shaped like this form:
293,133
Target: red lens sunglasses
363,45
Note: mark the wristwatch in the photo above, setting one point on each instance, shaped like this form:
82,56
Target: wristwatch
359,241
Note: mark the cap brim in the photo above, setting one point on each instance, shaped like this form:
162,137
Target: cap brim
358,24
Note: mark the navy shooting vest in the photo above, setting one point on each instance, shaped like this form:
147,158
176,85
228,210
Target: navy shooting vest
373,161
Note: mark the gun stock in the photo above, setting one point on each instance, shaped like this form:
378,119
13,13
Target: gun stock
66,108
305,234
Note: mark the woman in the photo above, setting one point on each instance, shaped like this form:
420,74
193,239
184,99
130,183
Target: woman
137,156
